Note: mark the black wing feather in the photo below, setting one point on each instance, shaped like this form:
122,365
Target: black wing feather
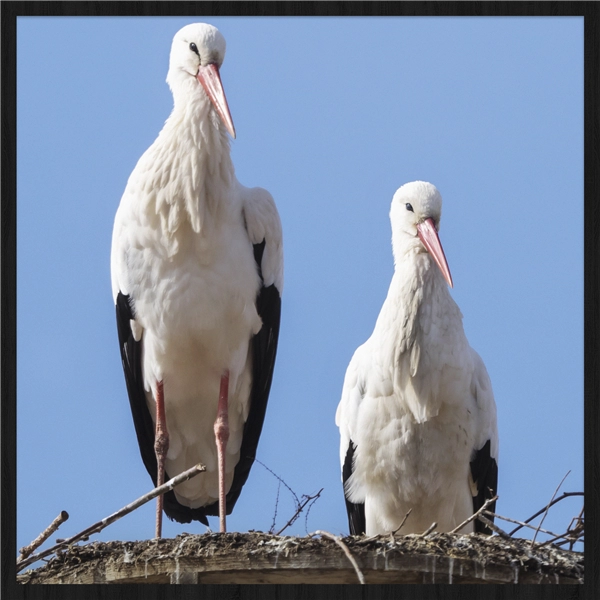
131,352
356,512
131,356
484,470
264,350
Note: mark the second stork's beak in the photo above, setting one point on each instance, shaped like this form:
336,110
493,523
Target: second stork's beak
210,79
428,235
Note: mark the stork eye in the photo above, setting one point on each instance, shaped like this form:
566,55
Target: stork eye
409,207
194,48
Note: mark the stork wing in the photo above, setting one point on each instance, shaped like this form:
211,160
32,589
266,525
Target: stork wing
484,461
131,352
356,512
352,394
484,470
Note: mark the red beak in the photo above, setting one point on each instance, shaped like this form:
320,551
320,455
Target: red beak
210,79
429,236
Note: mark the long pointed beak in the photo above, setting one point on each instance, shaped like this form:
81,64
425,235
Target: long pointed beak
208,76
429,236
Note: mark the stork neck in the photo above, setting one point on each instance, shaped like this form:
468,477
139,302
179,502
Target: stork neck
416,281
188,174
196,127
417,276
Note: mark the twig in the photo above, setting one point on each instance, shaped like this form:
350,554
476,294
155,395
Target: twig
493,526
475,515
340,543
571,535
275,512
567,539
546,512
428,530
314,499
299,509
100,525
539,512
40,539
299,505
579,527
401,524
491,514
279,478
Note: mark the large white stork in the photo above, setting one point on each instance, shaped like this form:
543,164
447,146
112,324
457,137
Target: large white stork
417,416
197,274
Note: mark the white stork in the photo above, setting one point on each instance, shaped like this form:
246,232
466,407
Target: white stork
417,416
197,274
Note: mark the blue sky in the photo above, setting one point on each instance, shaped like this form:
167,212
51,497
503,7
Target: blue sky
332,116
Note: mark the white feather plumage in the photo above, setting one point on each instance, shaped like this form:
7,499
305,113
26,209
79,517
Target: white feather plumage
183,250
417,400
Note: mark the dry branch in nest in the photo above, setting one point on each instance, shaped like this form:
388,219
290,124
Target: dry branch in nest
299,508
264,558
40,539
257,557
300,505
100,525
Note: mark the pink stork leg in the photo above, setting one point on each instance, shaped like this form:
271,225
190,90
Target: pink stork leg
161,446
221,437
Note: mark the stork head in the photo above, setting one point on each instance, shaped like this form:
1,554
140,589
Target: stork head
415,215
197,54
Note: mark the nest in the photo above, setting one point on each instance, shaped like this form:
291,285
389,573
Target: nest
257,557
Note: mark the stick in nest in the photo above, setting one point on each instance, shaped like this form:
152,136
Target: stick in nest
100,525
493,527
262,464
299,505
299,509
547,507
401,524
539,512
487,513
276,505
340,543
475,514
40,539
428,530
574,532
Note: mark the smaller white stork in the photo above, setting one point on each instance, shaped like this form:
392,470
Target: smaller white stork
417,416
197,274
